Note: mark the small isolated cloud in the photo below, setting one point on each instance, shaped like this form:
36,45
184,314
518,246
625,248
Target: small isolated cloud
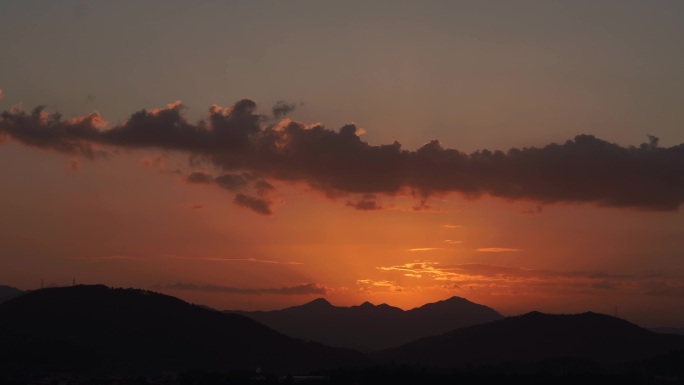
197,207
282,108
231,182
425,249
303,289
452,242
367,203
258,205
200,177
496,249
450,226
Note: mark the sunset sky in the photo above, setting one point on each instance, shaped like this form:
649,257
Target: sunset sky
525,155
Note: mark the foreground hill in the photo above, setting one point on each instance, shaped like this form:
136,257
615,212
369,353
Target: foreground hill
534,337
9,292
368,327
96,329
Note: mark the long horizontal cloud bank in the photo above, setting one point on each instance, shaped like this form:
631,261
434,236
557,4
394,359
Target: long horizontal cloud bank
251,149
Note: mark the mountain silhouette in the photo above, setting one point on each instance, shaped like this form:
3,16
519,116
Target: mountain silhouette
534,337
96,329
369,327
9,292
668,330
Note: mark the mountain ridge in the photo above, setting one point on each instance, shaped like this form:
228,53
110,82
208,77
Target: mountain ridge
368,327
96,328
533,337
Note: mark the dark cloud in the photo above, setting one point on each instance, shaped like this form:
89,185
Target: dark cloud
237,141
281,109
366,203
231,182
303,289
49,131
263,186
197,207
200,177
258,205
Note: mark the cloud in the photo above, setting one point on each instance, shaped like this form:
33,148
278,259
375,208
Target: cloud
236,140
281,109
366,203
240,260
505,280
263,187
200,177
258,205
380,285
197,207
450,226
425,249
231,182
496,250
2,94
303,289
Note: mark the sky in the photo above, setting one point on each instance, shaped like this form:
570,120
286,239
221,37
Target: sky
525,155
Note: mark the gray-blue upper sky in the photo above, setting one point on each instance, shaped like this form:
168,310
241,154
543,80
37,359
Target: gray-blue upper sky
474,74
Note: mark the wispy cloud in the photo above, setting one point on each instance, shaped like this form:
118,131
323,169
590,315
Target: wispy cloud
496,249
452,242
425,249
303,289
450,226
505,280
369,284
256,260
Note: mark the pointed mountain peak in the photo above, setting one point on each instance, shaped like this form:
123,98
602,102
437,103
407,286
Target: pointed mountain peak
367,304
318,302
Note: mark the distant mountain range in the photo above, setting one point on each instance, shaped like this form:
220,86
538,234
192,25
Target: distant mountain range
96,329
368,327
534,337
